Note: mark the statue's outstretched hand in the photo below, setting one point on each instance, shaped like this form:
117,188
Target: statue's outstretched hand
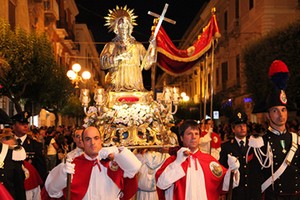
123,56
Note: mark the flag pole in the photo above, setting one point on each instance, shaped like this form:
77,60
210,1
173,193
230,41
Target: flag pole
68,190
155,28
212,78
200,88
213,11
205,85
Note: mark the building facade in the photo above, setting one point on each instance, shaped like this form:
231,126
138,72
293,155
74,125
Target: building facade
57,19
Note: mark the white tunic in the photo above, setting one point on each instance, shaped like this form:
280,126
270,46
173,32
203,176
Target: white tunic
151,161
195,184
101,187
75,153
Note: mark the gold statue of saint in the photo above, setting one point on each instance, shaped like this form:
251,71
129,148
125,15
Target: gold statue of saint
124,58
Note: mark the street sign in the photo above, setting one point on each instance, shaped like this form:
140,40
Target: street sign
215,114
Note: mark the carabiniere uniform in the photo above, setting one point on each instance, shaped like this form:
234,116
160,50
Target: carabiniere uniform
232,147
35,155
275,167
288,183
11,173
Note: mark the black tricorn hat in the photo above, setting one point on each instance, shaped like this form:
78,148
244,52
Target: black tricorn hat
22,117
238,117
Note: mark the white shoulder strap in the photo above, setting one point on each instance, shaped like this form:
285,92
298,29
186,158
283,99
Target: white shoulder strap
285,163
3,154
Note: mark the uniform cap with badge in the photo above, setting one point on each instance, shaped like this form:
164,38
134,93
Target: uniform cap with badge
22,117
238,117
278,75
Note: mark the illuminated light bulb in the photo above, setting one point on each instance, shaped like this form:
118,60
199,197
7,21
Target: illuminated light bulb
86,75
76,67
71,74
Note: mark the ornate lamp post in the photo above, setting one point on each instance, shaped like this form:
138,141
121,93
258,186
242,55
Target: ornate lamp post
184,97
75,77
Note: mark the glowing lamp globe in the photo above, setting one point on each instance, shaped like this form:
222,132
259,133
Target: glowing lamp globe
76,67
86,75
71,74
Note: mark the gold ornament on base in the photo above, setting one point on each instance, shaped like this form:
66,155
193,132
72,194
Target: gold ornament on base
126,123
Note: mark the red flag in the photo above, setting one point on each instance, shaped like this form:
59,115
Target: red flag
175,61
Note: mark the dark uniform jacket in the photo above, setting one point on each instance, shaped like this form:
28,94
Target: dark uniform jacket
287,186
233,148
12,176
34,151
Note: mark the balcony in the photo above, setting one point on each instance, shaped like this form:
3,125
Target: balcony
51,10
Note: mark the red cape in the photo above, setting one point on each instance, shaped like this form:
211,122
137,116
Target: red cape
4,194
213,183
79,185
34,179
215,139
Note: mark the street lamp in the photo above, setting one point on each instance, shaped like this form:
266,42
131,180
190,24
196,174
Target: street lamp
184,97
75,78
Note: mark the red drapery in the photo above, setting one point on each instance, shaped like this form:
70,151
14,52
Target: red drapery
175,61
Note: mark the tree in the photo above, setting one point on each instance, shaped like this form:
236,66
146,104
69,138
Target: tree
281,44
73,108
28,70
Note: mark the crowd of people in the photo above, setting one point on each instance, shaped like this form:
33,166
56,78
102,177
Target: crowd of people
225,132
184,173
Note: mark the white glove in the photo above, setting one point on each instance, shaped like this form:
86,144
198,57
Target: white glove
181,157
69,168
233,163
105,151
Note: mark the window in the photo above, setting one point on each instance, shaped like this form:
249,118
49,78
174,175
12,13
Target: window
47,5
237,9
217,77
225,21
224,74
251,4
12,14
238,70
